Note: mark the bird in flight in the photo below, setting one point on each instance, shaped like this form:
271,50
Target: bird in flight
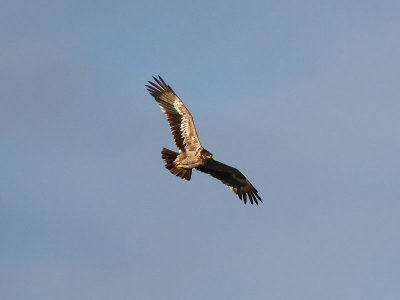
191,152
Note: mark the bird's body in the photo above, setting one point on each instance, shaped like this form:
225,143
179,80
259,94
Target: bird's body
191,152
189,159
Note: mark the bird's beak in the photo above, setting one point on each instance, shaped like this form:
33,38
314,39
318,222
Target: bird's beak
209,156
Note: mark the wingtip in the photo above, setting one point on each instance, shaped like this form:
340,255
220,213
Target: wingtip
159,77
248,192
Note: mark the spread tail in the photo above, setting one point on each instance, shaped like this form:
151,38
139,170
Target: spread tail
169,157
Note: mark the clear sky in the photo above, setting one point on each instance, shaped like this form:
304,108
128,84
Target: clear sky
302,96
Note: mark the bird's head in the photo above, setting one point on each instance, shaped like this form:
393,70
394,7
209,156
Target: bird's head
206,155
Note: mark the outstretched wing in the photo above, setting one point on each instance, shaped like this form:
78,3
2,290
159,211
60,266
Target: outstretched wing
233,178
179,118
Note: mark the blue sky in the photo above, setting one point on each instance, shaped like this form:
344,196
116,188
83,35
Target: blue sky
302,96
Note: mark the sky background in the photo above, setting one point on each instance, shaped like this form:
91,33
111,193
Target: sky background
302,96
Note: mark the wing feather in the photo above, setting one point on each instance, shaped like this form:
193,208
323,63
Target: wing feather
233,178
178,116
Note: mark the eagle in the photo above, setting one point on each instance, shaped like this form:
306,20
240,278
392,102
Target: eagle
191,153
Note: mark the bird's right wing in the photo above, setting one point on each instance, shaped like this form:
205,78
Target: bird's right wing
179,118
233,178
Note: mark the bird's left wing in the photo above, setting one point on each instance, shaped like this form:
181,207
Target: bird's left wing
233,178
179,118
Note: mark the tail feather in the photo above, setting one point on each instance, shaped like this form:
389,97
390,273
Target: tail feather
169,157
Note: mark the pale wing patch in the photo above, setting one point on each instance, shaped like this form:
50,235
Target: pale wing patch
188,131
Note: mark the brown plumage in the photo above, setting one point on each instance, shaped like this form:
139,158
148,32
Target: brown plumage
191,152
179,118
233,178
169,157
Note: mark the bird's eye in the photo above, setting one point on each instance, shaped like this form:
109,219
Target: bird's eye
209,155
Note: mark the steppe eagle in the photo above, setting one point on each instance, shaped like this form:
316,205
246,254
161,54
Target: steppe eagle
191,152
